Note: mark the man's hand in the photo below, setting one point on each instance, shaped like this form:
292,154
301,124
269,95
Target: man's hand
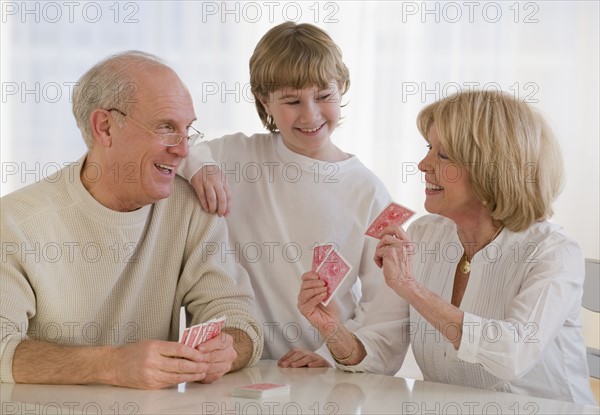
219,354
155,364
150,364
212,190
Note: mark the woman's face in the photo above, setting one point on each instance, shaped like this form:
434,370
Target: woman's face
448,191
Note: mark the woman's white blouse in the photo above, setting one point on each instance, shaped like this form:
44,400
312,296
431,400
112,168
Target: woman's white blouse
521,331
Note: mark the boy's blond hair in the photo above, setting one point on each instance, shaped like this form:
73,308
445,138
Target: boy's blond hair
298,56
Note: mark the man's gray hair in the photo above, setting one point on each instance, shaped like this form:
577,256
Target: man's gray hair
109,84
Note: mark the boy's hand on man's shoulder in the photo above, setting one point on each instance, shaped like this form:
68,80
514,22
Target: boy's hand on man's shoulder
212,190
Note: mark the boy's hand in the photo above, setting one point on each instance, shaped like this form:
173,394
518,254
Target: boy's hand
302,358
212,190
313,291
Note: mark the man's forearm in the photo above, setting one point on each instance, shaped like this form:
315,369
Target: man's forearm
49,363
244,347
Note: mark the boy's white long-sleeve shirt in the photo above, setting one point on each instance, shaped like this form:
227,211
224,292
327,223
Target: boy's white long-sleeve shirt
284,203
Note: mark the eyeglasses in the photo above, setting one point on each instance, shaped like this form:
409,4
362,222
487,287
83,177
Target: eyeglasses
169,139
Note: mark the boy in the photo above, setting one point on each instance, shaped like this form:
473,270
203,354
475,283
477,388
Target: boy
294,188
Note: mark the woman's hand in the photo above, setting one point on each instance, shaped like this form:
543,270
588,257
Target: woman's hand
393,254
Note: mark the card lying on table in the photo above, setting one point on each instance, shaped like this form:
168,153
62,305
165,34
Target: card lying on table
331,267
393,214
261,390
200,333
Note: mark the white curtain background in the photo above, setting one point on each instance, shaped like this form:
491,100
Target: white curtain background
401,56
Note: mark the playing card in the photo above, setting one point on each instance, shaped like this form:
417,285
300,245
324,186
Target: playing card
320,252
393,214
260,390
184,335
200,333
194,331
212,329
332,271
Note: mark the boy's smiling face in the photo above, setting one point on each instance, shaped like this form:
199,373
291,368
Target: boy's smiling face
306,118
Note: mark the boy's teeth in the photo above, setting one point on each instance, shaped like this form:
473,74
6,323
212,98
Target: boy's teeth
309,130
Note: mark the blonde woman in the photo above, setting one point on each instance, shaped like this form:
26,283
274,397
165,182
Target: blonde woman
485,288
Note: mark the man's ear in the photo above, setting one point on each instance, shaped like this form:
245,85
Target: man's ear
102,124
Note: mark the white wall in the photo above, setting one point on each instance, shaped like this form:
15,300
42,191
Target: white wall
401,56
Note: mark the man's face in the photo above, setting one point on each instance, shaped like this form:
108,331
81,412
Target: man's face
144,169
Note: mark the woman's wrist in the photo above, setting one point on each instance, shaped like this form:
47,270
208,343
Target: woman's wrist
409,289
346,349
331,330
344,360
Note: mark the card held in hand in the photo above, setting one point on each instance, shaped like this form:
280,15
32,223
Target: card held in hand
320,252
196,335
213,328
393,214
261,390
333,270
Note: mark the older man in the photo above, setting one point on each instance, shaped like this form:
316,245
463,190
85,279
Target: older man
98,260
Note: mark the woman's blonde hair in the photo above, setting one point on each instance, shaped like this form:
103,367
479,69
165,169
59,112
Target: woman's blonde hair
513,159
298,56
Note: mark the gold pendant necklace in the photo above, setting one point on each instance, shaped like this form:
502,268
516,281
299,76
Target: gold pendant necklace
465,265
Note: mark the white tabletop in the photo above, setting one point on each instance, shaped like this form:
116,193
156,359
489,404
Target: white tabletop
313,391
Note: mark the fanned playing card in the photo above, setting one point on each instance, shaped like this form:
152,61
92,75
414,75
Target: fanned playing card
194,331
320,252
185,335
212,330
200,333
333,270
393,214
